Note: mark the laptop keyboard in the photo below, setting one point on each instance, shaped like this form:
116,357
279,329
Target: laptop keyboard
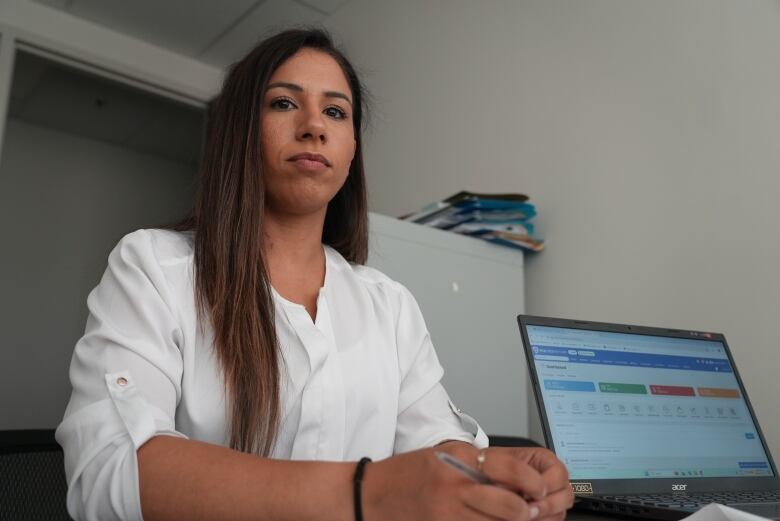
700,499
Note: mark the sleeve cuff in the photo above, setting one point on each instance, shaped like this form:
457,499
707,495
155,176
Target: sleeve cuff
141,419
470,425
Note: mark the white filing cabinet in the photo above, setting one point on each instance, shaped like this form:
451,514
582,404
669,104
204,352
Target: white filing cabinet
470,292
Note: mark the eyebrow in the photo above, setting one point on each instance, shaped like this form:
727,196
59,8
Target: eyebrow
298,88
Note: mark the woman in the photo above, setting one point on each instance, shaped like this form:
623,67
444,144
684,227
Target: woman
238,366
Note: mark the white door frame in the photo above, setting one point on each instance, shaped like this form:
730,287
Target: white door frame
62,37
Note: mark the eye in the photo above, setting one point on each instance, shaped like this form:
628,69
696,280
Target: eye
282,104
335,113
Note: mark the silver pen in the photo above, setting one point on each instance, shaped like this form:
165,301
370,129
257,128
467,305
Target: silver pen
464,469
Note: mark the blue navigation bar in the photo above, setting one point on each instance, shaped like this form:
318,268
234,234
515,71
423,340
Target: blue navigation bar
597,356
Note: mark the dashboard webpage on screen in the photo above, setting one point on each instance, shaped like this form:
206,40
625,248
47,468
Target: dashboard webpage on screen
624,406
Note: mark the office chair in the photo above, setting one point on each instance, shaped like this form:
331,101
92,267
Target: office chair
32,477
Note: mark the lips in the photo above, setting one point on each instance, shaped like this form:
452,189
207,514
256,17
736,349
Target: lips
319,158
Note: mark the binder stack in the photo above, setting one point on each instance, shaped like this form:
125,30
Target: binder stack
503,219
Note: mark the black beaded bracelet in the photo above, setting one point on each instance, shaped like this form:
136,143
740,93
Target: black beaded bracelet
358,479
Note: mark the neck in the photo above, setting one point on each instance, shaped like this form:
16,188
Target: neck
293,251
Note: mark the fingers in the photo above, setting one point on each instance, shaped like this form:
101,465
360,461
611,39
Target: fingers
556,477
554,473
555,504
538,457
544,464
515,474
497,503
559,494
555,517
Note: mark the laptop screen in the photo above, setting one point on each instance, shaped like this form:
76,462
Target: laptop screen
622,406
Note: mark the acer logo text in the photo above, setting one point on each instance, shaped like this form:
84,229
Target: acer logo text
679,487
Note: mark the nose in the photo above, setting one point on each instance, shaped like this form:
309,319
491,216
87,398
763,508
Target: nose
311,126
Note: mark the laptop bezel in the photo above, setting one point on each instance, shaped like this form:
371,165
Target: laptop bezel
585,487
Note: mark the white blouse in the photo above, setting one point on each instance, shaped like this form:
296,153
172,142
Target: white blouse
362,379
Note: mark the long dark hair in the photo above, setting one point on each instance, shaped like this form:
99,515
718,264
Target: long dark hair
232,286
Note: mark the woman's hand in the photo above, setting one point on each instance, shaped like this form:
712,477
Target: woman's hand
559,496
417,486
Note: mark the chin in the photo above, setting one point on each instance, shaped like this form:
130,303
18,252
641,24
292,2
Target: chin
302,195
300,205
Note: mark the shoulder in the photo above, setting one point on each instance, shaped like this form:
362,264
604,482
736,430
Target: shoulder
371,279
163,247
149,265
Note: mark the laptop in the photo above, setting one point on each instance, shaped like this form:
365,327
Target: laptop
650,422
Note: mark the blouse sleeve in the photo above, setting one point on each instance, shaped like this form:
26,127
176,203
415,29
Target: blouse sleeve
426,415
126,377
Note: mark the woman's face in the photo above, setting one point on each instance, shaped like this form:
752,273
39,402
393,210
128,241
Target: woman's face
307,137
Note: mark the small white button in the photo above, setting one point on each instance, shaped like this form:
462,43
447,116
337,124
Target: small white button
121,381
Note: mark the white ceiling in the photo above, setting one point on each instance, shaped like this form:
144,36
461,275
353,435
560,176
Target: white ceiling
215,32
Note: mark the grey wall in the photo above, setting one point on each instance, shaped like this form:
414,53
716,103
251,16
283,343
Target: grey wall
64,203
646,132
